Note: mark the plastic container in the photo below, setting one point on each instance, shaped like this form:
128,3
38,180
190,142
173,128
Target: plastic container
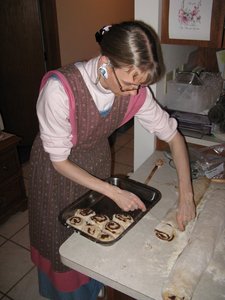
192,93
188,97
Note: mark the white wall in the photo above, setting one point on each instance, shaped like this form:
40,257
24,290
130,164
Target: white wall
144,142
149,11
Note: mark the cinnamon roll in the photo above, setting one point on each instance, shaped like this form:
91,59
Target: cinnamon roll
99,220
76,222
91,230
84,213
113,228
123,220
105,237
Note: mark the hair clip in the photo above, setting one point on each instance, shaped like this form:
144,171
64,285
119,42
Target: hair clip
99,34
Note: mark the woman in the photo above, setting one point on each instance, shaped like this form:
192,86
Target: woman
79,107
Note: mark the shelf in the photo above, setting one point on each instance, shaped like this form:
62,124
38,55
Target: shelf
204,141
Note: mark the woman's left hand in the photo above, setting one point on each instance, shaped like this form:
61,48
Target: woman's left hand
186,206
186,211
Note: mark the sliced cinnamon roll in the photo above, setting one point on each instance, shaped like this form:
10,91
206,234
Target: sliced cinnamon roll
76,222
105,237
99,220
91,230
84,213
123,220
113,228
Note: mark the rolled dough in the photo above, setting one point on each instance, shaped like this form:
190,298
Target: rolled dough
194,259
167,228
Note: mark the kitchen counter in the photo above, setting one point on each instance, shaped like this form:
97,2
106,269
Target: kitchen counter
139,263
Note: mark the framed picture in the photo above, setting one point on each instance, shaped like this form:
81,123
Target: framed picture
193,22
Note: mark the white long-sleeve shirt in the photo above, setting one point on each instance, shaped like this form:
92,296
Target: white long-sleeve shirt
53,112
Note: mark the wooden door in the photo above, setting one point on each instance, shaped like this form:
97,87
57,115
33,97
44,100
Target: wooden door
22,64
112,294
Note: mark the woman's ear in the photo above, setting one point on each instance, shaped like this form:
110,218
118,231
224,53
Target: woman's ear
103,64
103,71
104,60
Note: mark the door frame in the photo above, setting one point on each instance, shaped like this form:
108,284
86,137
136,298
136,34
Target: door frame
48,16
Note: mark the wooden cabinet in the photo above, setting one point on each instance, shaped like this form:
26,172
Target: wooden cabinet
12,190
111,294
217,39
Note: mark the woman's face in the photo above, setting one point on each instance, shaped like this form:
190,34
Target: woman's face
129,81
124,81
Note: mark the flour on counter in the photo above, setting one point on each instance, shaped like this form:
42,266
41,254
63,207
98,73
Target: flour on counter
215,267
171,250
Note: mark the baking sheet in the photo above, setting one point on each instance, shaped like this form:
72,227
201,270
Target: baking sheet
101,204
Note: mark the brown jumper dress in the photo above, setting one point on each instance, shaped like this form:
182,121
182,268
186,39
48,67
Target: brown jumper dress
50,192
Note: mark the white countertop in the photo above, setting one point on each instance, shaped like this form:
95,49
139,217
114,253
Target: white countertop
139,263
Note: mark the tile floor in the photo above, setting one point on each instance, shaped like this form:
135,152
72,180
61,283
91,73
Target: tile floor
18,278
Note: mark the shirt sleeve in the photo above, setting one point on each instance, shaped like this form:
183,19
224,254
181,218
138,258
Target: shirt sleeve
156,120
53,116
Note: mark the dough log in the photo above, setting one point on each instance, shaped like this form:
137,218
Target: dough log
167,228
195,257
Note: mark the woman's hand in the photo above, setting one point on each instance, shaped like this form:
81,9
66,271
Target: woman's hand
186,206
186,211
126,200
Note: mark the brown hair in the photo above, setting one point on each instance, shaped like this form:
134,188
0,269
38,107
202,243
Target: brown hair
133,44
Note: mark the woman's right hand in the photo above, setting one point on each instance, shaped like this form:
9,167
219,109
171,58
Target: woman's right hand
126,200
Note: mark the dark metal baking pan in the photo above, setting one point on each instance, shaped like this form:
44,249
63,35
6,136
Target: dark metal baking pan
103,205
